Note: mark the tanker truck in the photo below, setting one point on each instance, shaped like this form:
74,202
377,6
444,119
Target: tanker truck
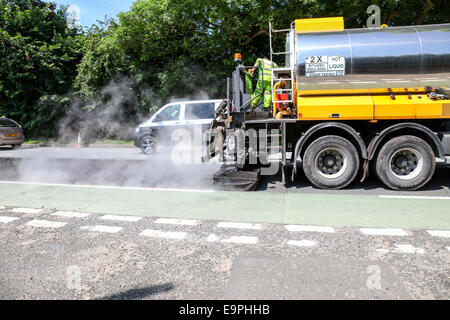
346,103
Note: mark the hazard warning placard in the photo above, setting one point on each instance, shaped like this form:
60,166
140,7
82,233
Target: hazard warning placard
324,66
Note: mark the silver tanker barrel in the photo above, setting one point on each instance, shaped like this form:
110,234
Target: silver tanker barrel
373,60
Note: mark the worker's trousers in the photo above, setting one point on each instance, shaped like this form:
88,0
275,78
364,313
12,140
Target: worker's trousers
265,88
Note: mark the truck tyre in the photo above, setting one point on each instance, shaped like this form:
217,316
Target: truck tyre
331,162
148,144
405,163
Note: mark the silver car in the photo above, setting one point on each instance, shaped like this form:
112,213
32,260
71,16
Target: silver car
176,115
11,133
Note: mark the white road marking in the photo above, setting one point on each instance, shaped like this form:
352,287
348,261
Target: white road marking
299,228
383,232
163,234
399,81
414,197
301,243
106,187
120,218
2,208
431,80
239,225
241,239
70,214
183,222
392,79
404,248
439,233
448,248
362,81
328,82
233,239
100,228
26,210
4,219
212,238
46,224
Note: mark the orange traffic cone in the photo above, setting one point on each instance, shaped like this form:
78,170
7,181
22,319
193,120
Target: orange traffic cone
79,140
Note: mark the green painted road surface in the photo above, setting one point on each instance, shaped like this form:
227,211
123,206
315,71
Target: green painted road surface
286,208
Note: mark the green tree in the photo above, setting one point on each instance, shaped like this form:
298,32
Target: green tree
38,58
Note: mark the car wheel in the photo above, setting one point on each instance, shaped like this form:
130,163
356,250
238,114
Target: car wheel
15,146
148,144
405,163
331,162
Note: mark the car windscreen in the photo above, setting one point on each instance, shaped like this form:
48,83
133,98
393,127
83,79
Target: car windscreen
202,110
5,123
170,113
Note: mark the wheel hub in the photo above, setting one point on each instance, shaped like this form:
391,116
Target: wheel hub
331,163
148,144
401,162
406,164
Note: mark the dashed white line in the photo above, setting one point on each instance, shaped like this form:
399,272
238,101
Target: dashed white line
183,222
399,81
439,233
26,210
163,234
448,248
4,219
383,232
239,225
212,238
301,243
120,218
404,248
414,197
100,228
241,240
2,208
362,82
46,224
70,214
233,239
299,228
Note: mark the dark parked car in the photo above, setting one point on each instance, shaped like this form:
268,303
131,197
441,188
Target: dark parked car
177,115
11,133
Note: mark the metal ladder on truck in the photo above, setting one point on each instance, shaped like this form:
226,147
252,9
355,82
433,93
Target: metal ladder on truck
286,73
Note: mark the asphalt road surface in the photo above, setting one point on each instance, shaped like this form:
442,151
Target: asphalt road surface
128,166
128,228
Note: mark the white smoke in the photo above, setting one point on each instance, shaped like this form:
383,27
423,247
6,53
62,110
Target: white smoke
104,116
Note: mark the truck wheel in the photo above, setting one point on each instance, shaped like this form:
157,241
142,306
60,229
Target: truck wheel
405,163
331,162
148,144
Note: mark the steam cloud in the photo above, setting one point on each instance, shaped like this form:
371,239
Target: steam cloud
105,116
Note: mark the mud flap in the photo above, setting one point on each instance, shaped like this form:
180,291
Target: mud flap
232,178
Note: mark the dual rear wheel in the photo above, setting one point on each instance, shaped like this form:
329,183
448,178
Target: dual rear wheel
331,162
403,163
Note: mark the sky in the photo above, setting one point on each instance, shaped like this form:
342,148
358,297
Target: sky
93,10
